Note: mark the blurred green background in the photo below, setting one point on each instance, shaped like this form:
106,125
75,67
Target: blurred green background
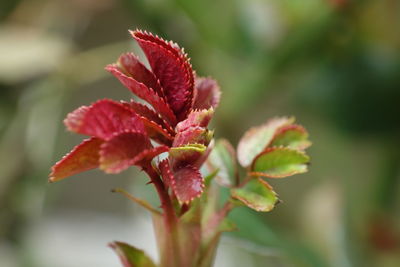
334,64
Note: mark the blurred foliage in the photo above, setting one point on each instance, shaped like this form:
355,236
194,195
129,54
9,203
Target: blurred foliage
333,63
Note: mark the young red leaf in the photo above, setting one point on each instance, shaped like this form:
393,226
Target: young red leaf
131,66
103,119
173,70
157,132
255,140
256,194
187,183
117,154
131,256
279,162
145,93
292,136
206,93
83,157
193,135
196,118
150,114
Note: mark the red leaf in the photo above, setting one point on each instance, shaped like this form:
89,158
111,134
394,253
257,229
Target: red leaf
117,154
193,135
103,119
151,115
157,132
206,93
172,68
145,93
83,157
187,184
131,66
196,118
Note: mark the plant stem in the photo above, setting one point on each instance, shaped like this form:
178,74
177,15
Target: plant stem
169,246
170,216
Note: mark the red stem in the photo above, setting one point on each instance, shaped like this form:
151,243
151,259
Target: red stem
166,204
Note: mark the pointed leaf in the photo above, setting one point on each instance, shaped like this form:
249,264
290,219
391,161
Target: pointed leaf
256,194
207,93
157,132
131,256
292,136
117,154
255,140
144,111
141,202
223,158
103,119
196,118
83,157
131,66
144,92
172,68
187,184
279,162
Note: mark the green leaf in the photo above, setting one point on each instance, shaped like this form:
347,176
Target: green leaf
279,162
256,194
223,159
131,256
256,139
293,136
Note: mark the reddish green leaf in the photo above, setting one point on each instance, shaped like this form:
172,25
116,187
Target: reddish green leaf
193,135
103,119
292,136
131,66
256,194
117,154
279,162
206,93
255,140
145,93
83,157
172,68
223,158
131,256
187,183
186,155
